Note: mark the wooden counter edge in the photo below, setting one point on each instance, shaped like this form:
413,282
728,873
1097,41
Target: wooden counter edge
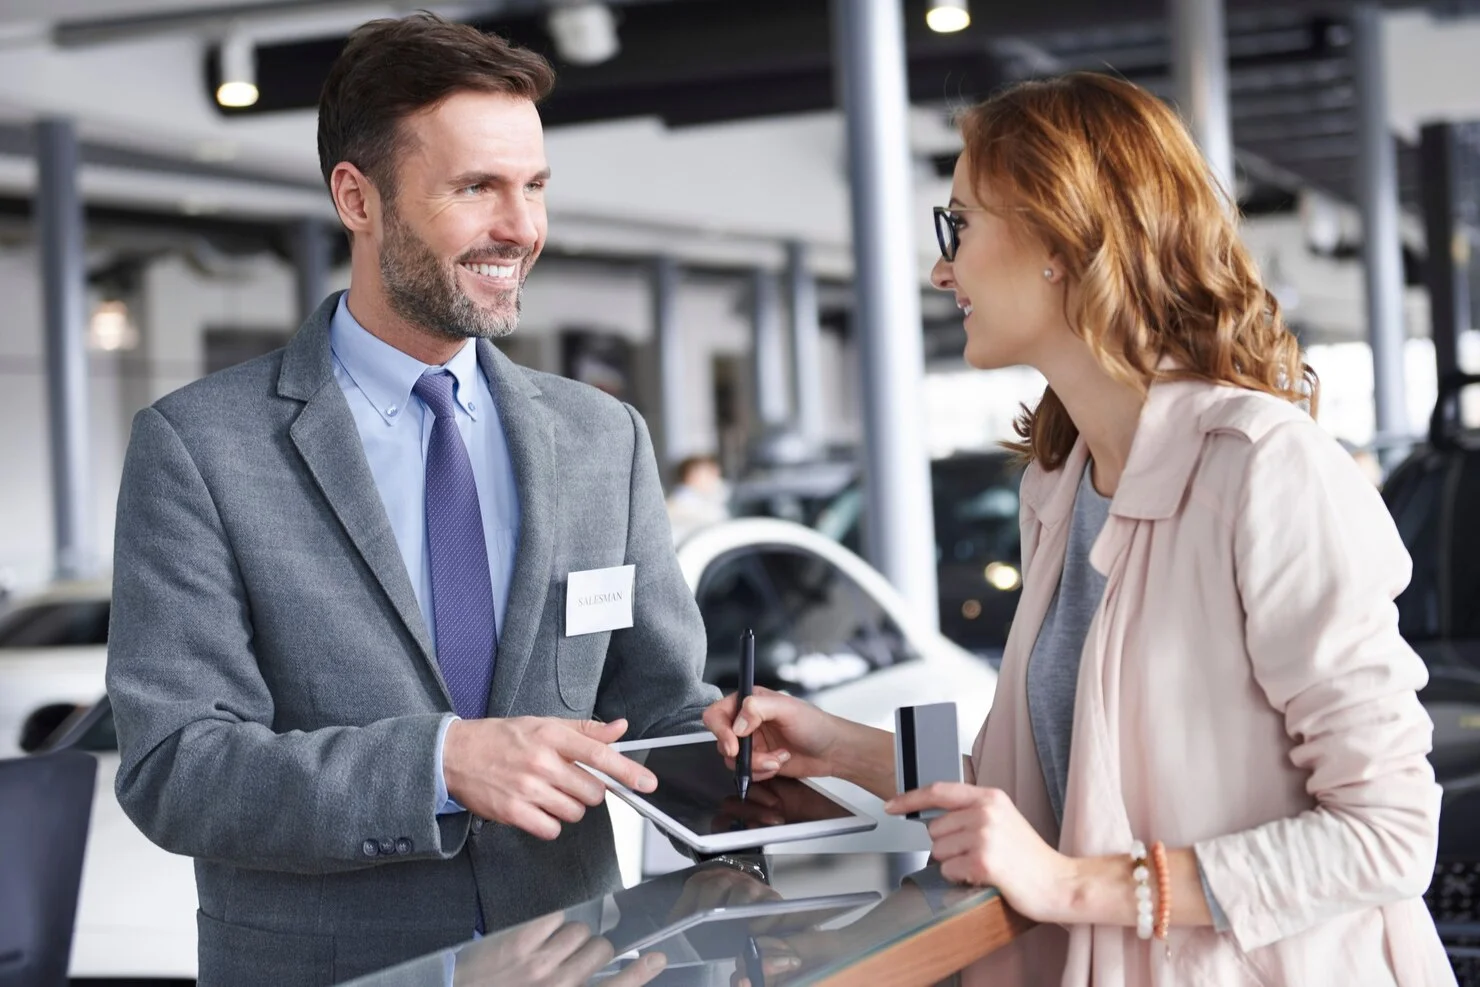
936,952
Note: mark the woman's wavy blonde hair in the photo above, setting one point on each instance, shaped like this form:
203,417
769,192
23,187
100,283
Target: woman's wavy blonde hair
1105,175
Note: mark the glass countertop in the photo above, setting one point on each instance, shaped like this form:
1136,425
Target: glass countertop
773,920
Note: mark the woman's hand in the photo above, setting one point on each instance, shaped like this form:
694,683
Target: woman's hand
984,840
789,736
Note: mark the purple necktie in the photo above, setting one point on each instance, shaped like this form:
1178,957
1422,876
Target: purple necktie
462,589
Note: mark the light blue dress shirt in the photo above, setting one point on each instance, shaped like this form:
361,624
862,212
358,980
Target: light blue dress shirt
395,427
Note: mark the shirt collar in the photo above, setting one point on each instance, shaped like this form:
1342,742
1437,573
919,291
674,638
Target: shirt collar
386,375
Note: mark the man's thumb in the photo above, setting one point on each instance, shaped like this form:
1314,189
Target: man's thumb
604,732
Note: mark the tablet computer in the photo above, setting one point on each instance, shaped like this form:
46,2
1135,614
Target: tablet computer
696,800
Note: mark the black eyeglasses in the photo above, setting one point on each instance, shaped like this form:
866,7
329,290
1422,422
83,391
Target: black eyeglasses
948,229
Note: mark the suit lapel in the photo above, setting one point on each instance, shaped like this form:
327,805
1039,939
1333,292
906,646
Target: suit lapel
531,439
325,435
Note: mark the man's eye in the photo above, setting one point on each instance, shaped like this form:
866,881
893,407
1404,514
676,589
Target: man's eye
473,189
535,187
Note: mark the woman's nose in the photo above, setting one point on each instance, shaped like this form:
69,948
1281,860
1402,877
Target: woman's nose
940,276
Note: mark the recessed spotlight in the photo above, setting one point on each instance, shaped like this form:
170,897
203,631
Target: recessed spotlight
584,33
947,16
238,86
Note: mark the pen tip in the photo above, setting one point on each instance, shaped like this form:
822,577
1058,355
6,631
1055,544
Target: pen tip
744,786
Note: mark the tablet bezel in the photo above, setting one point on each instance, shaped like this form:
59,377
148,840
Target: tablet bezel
857,821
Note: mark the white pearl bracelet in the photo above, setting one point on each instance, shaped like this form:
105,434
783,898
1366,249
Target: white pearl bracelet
1141,872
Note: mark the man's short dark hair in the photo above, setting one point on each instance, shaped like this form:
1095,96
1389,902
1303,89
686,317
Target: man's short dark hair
391,69
690,464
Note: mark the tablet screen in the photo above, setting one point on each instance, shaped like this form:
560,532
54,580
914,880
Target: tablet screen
697,789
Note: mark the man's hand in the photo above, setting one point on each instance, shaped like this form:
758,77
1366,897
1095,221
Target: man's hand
522,771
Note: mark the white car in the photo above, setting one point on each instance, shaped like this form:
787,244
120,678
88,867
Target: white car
53,649
828,627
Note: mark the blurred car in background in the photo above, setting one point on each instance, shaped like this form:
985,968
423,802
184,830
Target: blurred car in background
53,652
136,906
975,507
1432,497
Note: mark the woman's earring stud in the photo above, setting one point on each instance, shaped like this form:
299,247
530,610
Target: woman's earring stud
1048,273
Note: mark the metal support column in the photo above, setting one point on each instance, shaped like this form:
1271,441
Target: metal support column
59,216
868,39
1200,72
768,351
806,332
1382,250
663,277
1447,270
313,259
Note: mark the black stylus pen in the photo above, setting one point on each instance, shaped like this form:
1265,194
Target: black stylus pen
747,686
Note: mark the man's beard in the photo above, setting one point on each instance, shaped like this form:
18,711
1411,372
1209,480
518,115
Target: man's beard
425,293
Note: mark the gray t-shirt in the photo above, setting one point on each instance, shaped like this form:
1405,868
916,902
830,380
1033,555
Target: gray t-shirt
1053,668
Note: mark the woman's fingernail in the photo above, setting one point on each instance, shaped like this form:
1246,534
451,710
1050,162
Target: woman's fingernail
783,757
787,963
655,961
769,764
740,725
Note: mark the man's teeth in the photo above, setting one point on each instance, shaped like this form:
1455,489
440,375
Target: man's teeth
966,309
493,270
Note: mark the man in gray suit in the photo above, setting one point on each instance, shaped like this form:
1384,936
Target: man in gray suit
377,593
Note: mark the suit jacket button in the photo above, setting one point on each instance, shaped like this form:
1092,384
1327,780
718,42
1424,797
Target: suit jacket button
477,825
387,846
370,848
403,845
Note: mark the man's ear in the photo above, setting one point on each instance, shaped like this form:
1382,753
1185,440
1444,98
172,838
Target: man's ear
356,199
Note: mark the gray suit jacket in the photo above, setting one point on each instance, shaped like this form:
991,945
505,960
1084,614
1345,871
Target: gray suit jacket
276,695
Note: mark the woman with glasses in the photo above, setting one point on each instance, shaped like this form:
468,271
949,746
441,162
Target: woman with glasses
1206,760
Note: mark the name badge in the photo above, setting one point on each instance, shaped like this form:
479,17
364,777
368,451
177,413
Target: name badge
599,600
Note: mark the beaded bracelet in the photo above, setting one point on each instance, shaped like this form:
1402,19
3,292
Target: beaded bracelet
1142,876
1163,891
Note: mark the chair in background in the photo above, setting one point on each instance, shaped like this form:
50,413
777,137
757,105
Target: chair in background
45,805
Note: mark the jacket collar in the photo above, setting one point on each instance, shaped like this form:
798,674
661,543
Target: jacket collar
307,362
1164,453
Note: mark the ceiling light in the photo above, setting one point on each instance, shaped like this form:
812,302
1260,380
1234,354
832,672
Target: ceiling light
238,72
584,33
945,16
110,328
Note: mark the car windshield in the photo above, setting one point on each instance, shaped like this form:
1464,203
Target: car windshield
815,627
56,624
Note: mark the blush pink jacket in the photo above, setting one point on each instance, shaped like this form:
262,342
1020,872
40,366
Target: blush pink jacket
1244,692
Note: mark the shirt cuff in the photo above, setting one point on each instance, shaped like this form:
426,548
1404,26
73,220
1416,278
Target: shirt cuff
1220,918
445,803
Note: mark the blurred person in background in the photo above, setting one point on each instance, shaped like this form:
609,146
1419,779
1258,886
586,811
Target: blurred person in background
340,661
699,498
1206,760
